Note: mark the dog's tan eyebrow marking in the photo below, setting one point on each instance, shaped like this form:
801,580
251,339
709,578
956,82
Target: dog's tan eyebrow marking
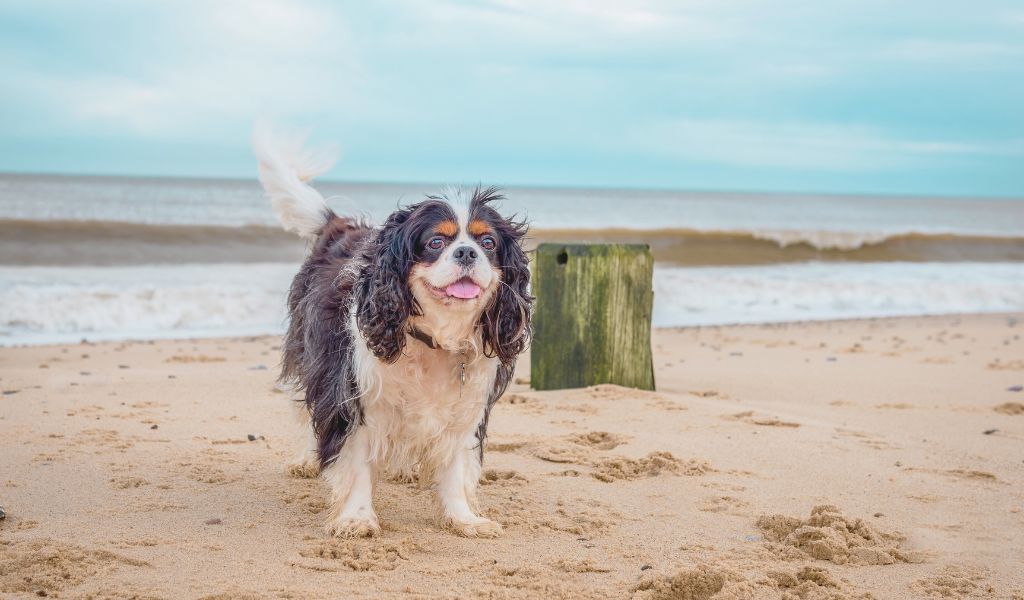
478,227
448,228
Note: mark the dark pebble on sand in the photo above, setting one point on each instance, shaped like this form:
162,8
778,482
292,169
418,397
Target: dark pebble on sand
1015,388
213,522
251,437
990,431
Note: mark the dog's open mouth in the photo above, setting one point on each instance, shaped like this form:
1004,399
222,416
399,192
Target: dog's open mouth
463,289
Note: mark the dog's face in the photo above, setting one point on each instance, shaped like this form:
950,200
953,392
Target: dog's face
450,260
457,266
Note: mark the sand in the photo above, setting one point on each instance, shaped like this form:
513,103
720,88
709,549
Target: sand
859,459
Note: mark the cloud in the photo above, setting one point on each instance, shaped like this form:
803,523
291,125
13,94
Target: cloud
801,145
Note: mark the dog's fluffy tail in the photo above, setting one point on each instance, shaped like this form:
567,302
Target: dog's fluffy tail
286,168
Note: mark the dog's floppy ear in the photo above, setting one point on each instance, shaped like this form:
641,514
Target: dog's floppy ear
384,300
505,323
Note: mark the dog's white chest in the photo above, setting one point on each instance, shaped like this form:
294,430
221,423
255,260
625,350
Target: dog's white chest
426,402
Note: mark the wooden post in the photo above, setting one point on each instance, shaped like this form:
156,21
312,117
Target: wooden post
592,318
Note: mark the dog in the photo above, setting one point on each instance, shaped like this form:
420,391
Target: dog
400,340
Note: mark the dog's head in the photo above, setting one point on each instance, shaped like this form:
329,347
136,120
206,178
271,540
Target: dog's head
459,262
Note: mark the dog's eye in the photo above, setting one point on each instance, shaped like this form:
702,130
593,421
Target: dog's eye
488,243
435,243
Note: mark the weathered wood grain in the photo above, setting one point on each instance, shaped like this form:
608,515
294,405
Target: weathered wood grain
592,319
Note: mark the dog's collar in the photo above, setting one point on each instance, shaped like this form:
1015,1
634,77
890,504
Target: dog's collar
423,337
431,343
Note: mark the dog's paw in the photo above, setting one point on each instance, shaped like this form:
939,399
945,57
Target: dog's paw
349,527
304,469
483,528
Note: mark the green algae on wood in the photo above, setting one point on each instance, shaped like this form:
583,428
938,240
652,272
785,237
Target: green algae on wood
592,318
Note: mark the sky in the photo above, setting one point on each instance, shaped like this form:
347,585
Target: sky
920,97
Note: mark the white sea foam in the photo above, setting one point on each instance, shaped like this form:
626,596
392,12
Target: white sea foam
64,304
817,291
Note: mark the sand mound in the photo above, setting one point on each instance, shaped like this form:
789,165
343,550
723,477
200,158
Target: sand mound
954,582
808,583
1010,408
652,465
356,555
701,583
44,567
828,535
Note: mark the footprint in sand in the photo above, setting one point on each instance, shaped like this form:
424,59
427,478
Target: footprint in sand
1010,408
748,417
194,358
966,474
724,504
373,554
502,477
576,565
128,482
48,567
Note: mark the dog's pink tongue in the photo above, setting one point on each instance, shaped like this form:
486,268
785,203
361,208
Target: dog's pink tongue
464,289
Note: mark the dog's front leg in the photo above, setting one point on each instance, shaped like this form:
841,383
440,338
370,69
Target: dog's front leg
351,479
456,490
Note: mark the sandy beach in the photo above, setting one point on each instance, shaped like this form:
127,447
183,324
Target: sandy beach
874,458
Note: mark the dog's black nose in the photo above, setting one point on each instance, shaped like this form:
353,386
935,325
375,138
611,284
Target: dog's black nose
464,255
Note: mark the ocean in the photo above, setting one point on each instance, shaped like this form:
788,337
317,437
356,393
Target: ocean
115,258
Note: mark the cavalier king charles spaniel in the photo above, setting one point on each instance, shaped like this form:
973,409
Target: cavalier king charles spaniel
401,338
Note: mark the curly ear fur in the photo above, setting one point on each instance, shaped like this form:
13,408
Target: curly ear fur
383,298
505,324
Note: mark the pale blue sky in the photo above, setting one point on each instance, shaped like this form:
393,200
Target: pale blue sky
859,96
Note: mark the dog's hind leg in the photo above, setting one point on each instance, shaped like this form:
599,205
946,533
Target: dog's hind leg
456,490
351,478
306,464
